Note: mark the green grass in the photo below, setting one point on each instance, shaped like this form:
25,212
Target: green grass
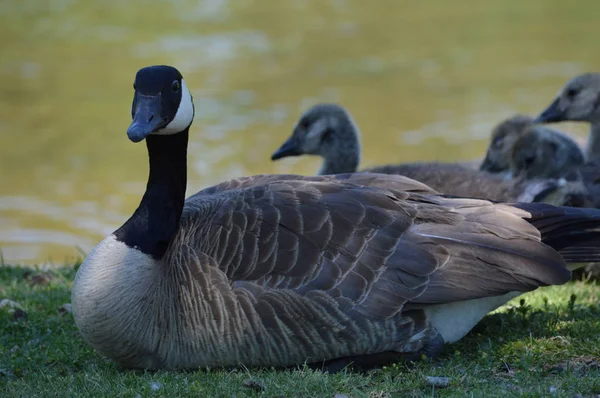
548,340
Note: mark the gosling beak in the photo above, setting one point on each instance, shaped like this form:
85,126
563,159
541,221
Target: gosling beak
289,148
146,117
552,114
488,166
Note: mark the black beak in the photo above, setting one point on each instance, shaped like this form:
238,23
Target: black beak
146,117
289,148
489,167
551,114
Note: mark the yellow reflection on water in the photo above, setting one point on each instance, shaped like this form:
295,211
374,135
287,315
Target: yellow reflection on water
424,81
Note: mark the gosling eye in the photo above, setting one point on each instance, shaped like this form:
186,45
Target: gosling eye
529,159
572,93
326,135
175,86
497,143
305,124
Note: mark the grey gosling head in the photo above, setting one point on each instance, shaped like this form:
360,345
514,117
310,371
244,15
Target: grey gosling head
503,137
544,153
578,101
328,131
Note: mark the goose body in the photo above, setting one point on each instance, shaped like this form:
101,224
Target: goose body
328,131
281,270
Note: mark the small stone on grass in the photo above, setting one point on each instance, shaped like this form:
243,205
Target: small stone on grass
12,305
437,381
155,386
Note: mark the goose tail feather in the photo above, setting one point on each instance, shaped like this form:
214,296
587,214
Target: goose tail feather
571,231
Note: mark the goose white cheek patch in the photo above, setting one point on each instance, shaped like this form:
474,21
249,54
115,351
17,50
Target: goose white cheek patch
184,116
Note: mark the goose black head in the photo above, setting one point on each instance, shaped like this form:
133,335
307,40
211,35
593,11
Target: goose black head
162,103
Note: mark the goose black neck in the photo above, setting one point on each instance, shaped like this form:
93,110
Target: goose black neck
156,220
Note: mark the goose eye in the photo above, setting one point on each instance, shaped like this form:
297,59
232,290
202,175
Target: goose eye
175,86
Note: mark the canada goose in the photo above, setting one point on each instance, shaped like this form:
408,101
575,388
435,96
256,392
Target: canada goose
579,101
544,153
327,130
281,270
502,139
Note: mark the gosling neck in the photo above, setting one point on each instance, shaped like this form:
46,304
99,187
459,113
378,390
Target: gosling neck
341,150
156,220
592,149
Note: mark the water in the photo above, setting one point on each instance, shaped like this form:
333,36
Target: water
424,81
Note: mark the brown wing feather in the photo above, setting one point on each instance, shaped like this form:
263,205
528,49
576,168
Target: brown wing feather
372,246
457,180
374,179
466,182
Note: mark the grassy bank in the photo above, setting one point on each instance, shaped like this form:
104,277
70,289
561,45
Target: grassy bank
546,343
